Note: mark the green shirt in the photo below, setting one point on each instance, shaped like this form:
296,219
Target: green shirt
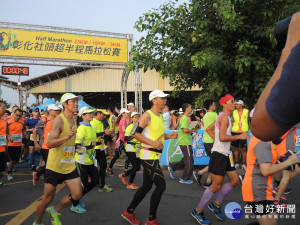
208,119
99,128
184,138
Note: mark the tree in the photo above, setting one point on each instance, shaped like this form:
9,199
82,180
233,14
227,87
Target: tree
219,45
7,105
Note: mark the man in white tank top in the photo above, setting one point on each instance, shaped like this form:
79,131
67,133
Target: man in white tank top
221,163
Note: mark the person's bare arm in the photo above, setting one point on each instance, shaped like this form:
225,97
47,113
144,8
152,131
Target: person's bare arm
211,130
34,136
57,127
185,130
144,122
262,126
224,123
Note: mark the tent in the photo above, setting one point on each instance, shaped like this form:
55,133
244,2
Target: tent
45,105
82,103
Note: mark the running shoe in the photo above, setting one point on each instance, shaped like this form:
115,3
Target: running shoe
53,216
185,181
241,177
199,217
206,184
123,178
132,186
216,211
81,203
197,177
236,165
130,218
34,178
151,222
287,191
10,177
78,209
244,167
110,172
275,191
106,188
172,173
280,204
32,167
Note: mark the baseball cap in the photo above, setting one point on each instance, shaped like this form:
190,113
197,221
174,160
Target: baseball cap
52,107
68,96
84,110
157,93
134,113
123,110
103,110
130,103
35,109
240,102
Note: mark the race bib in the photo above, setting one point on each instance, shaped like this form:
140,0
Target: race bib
17,137
2,139
81,159
37,137
68,155
231,159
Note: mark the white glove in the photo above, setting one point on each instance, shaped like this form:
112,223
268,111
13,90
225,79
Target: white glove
81,151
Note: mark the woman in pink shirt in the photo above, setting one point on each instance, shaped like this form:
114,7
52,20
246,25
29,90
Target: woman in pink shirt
122,124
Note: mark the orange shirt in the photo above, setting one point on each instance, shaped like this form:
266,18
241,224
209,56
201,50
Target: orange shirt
15,129
256,187
48,124
288,142
3,126
174,121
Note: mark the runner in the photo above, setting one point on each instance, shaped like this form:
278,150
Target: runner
185,144
132,147
209,120
111,122
100,149
44,127
151,133
61,163
85,162
220,163
30,124
122,124
15,131
256,188
240,125
3,126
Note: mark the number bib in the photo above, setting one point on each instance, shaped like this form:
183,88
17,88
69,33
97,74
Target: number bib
2,139
37,137
17,137
68,156
231,159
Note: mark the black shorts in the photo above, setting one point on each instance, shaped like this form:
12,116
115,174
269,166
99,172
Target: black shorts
237,143
219,164
24,141
2,161
266,204
208,147
14,153
55,178
45,153
31,143
107,138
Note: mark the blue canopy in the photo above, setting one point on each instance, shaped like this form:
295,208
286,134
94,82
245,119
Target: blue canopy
45,105
81,104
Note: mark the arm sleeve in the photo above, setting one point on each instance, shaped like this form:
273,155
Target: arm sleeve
283,103
262,152
39,125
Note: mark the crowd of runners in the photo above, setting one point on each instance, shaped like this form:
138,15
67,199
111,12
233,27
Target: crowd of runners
75,146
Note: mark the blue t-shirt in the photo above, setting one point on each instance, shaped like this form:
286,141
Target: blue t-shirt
283,103
31,122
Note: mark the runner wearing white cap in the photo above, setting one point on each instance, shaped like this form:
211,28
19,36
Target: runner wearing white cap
61,163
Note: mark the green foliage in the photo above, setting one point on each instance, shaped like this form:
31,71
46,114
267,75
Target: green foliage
219,45
34,105
6,103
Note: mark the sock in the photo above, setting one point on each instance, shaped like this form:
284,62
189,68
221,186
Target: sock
198,210
130,211
226,189
30,158
37,223
207,195
150,218
53,210
216,204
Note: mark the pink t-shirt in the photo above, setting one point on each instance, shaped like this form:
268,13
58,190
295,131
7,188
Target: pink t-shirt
121,133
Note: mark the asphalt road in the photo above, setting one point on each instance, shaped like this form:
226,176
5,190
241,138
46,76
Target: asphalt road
19,199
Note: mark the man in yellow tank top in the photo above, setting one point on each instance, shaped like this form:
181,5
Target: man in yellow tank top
61,163
151,133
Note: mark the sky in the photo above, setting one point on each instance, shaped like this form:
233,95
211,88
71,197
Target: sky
100,15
